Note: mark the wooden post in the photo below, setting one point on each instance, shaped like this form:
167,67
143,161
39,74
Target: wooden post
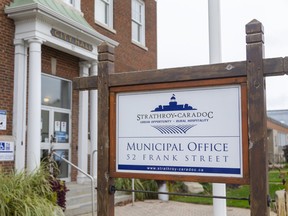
257,120
105,200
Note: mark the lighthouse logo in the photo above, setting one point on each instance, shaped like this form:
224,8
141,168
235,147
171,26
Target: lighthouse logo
174,118
173,106
177,114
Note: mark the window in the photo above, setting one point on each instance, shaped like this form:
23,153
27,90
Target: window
56,92
74,3
104,12
138,22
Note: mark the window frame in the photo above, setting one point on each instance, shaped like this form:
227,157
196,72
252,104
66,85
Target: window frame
74,3
140,23
108,13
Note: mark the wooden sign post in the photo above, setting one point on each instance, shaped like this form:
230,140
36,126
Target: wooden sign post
257,121
105,199
246,76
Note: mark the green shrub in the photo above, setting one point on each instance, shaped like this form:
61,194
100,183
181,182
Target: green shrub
177,187
126,184
23,194
149,185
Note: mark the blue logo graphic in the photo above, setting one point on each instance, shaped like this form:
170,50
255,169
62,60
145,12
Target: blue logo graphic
2,146
173,129
173,106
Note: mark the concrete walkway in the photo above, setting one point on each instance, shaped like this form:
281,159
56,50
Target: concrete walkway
172,208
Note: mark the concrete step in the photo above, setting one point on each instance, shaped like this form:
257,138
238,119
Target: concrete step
122,198
82,198
81,208
78,189
78,199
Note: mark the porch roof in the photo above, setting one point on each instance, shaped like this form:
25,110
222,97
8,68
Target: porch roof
60,12
57,6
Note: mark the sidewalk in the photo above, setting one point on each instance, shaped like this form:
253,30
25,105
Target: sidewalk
172,208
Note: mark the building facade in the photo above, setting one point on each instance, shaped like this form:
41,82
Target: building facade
44,45
279,115
277,138
277,135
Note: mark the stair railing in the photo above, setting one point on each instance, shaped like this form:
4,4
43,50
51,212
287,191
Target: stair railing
86,174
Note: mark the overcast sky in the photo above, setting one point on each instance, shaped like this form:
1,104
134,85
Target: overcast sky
183,36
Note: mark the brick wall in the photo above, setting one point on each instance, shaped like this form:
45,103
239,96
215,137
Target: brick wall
128,56
7,74
6,66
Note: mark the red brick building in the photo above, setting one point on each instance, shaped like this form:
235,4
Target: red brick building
44,45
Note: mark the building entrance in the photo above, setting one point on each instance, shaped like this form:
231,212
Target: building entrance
55,122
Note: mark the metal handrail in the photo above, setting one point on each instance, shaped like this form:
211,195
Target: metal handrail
86,174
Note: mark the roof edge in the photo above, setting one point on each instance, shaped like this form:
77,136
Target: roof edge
83,26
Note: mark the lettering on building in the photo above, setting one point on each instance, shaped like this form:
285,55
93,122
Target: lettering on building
70,39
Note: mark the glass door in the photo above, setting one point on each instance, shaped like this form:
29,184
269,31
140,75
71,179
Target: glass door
55,135
56,100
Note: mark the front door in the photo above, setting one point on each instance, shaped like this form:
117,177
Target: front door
56,122
55,135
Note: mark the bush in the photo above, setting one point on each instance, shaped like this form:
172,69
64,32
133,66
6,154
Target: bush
149,185
126,184
25,194
59,188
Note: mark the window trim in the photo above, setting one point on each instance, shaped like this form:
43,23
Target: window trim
109,16
142,41
74,3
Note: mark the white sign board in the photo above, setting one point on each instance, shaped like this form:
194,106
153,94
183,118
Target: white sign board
193,131
3,119
6,151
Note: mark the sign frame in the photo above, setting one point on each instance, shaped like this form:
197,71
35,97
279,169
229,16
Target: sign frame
241,81
6,151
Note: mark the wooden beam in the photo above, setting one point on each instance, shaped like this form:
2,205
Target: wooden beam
257,122
234,69
275,66
85,83
272,67
105,200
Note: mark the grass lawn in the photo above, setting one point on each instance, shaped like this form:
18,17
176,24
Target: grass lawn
275,183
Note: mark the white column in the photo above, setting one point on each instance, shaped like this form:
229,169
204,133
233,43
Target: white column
93,122
19,103
219,205
34,105
83,127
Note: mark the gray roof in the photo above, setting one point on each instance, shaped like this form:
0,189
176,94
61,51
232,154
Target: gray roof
279,115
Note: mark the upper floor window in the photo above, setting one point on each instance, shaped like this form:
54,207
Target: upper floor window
104,12
138,22
74,3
